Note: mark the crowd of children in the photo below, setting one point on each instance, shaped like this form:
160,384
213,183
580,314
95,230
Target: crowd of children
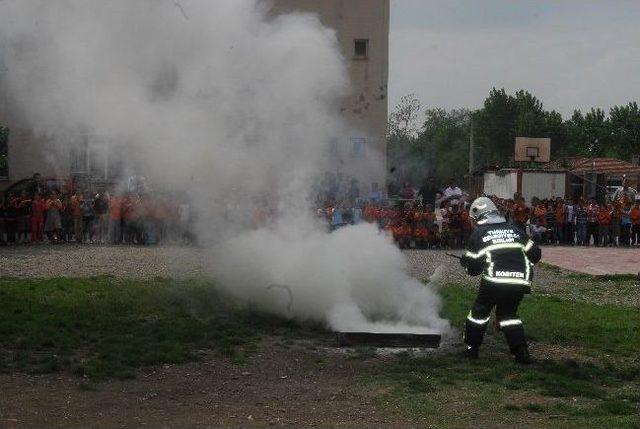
56,217
411,224
578,222
429,217
414,222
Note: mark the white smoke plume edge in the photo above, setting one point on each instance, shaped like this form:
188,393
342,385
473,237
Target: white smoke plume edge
215,98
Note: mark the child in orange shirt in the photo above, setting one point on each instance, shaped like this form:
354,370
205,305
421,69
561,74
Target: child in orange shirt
561,220
635,223
76,212
38,209
604,224
540,214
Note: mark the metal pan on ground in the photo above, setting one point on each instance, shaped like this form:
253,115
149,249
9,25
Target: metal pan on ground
399,340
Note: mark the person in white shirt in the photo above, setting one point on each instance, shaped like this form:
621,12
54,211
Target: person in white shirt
452,191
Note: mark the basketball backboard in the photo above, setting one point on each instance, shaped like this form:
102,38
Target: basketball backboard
530,149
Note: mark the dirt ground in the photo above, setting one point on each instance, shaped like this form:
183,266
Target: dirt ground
281,385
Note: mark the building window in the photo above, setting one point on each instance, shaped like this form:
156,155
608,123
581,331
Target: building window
361,48
4,151
97,159
79,158
357,146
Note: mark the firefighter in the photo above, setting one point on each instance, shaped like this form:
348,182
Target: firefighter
504,256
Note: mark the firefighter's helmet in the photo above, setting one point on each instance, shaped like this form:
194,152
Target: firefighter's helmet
481,207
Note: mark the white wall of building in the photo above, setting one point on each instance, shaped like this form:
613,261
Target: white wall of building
543,185
534,184
500,184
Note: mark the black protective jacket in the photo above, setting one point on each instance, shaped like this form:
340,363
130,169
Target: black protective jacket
502,253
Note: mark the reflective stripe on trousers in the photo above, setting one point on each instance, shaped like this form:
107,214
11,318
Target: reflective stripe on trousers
510,322
478,321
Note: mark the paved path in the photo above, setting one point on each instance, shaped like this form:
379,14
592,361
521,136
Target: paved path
594,260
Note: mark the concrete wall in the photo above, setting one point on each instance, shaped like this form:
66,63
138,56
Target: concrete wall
365,106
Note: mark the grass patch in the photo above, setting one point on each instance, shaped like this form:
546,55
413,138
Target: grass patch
104,327
450,391
606,328
495,390
547,378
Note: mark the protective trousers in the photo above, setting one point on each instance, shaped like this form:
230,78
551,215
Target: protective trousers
506,298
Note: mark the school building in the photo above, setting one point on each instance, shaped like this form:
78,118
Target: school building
362,31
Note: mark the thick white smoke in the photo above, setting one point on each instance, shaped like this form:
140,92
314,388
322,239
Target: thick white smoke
218,98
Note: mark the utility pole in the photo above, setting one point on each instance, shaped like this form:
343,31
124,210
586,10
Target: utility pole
471,150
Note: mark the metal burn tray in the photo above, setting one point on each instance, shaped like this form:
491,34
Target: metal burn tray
373,339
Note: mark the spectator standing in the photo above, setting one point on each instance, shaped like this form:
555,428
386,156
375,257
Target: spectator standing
162,217
10,215
537,231
101,211
540,214
375,196
128,211
428,192
519,210
53,222
67,218
408,192
87,219
616,224
570,216
23,217
604,226
76,214
625,195
115,219
452,192
635,223
581,224
550,218
561,221
38,209
592,223
625,225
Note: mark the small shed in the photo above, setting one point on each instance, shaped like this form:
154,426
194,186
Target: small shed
530,183
590,177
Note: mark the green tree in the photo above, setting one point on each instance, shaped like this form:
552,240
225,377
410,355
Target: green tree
403,155
4,146
494,127
624,123
441,146
445,139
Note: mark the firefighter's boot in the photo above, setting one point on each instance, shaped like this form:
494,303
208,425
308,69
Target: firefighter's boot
472,353
522,355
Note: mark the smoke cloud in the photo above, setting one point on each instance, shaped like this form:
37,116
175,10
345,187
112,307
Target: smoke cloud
232,106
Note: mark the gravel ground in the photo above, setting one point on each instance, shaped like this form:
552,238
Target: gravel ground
45,261
70,260
41,261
